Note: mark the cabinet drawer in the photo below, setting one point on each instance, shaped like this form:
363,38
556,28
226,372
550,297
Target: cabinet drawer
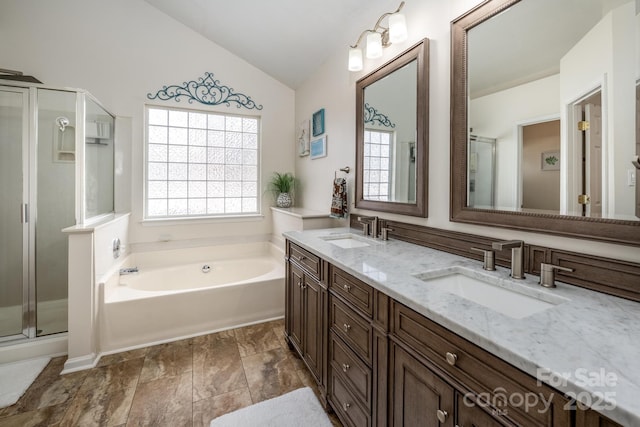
356,292
305,259
352,328
346,405
347,365
479,371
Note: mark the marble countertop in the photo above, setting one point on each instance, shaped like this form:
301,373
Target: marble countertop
587,346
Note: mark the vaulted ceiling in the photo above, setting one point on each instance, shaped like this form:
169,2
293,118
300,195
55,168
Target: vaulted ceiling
287,39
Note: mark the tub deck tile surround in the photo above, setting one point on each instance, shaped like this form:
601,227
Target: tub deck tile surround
184,383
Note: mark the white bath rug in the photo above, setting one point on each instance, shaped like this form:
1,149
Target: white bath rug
16,377
295,409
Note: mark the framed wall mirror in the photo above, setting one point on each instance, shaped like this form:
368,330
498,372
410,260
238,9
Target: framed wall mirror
544,117
392,135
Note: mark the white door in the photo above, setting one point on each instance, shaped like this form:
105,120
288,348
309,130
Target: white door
593,160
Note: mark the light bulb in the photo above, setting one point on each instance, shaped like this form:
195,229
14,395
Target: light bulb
355,59
374,45
397,28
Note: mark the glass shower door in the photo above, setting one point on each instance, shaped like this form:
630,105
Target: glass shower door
56,182
14,133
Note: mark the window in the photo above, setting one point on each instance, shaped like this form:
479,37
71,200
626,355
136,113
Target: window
377,160
201,164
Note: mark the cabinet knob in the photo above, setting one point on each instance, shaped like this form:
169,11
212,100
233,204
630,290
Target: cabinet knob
345,367
451,358
346,406
300,283
347,288
442,415
346,327
300,258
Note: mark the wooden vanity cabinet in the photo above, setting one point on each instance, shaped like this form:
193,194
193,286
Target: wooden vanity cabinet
591,418
305,312
379,363
358,325
484,381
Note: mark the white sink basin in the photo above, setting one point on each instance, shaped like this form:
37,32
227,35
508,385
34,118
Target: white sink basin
513,300
348,240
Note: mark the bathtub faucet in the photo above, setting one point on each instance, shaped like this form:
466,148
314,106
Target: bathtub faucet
130,270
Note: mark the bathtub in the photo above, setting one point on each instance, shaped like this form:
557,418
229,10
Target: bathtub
181,293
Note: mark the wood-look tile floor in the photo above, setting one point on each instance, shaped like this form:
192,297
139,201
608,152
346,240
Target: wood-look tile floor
183,383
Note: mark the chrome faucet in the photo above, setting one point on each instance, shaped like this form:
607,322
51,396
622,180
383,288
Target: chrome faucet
517,256
373,225
129,270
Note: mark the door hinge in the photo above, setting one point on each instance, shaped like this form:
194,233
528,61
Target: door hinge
584,199
583,125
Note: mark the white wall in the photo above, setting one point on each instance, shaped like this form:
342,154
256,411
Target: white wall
595,62
120,50
333,88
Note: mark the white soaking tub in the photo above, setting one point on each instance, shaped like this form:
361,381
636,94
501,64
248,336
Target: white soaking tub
186,292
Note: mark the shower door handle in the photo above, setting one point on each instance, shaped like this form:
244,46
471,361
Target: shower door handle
24,213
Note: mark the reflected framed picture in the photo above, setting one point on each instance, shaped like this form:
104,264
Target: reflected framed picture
318,148
550,161
317,123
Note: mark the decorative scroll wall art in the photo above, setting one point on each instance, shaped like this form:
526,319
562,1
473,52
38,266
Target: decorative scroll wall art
206,90
371,115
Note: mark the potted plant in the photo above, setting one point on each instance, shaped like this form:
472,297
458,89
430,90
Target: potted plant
282,184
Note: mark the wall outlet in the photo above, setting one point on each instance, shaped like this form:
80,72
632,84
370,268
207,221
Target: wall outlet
631,177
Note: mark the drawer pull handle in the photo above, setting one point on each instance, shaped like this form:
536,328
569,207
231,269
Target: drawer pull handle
345,367
346,327
451,358
347,288
346,406
442,415
300,258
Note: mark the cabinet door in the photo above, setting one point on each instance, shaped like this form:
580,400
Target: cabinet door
314,296
591,418
419,397
296,280
469,414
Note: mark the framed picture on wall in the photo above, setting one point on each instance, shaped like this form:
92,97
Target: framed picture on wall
318,148
550,161
303,138
317,122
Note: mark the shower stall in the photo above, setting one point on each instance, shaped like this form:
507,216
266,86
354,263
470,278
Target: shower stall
481,172
56,171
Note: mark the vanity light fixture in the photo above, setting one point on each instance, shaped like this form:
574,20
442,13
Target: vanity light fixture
379,37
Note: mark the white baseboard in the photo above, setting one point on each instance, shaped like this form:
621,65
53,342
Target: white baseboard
80,363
